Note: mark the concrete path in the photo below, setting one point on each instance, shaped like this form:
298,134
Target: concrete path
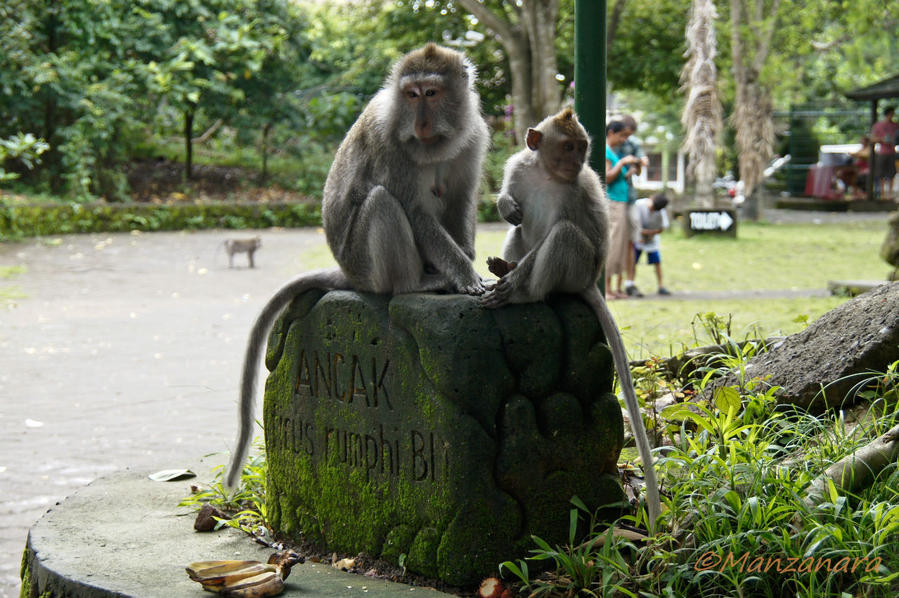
124,352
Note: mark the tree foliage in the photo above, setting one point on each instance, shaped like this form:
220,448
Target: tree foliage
102,81
93,78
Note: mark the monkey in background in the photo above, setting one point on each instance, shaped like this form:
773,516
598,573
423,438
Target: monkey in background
248,246
400,200
559,242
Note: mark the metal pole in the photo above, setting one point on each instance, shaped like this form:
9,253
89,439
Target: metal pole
590,75
590,81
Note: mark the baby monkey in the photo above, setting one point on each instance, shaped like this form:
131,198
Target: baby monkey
559,244
248,246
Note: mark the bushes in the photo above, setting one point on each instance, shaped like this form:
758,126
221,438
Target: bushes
27,220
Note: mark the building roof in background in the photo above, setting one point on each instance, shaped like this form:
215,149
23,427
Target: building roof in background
888,88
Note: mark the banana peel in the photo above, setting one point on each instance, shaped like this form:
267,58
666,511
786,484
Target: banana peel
245,579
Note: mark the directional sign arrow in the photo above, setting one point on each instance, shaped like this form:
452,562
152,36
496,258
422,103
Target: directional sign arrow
724,221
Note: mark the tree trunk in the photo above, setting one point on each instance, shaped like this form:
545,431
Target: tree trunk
540,23
753,112
702,117
188,143
524,114
527,32
52,158
265,132
612,27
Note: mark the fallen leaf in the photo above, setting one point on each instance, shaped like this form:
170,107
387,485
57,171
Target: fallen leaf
172,475
345,564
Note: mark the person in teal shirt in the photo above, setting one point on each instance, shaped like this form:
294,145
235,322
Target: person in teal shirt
617,172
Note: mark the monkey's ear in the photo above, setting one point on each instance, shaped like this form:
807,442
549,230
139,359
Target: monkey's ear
534,139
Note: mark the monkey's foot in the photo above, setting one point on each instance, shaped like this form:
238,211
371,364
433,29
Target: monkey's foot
499,266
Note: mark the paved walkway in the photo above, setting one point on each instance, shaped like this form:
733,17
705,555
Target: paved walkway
125,353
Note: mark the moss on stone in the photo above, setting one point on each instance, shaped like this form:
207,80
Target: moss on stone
393,427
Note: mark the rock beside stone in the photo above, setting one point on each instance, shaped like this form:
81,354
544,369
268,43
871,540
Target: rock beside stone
818,367
427,430
889,251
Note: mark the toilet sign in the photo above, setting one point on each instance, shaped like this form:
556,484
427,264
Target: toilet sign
721,222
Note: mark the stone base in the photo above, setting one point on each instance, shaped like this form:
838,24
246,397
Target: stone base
428,430
125,535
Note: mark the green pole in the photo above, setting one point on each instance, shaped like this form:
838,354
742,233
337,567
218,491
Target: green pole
590,75
590,81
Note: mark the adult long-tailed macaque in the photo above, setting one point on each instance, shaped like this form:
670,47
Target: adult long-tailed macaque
248,246
399,206
559,244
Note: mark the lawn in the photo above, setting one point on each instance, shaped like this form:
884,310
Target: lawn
770,257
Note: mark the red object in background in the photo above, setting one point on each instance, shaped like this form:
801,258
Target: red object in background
819,182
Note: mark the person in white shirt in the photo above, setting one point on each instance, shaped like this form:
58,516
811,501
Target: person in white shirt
653,220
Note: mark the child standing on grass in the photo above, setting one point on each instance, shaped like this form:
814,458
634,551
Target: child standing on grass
653,220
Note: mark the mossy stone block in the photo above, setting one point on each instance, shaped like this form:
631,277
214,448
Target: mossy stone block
428,429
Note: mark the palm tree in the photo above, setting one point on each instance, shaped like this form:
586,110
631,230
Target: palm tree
702,118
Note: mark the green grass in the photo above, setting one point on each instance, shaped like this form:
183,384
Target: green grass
768,257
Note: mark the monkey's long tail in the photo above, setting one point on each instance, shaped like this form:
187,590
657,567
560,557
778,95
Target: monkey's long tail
319,279
593,297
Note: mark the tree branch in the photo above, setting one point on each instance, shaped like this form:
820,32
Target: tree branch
503,28
612,26
858,470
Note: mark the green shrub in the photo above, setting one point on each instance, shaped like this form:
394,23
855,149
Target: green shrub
29,220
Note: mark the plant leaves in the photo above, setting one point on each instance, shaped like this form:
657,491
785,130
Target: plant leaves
727,399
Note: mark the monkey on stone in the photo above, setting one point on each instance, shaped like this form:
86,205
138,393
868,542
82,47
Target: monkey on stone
248,246
559,242
400,200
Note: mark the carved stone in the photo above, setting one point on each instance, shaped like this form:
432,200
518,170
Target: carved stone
427,426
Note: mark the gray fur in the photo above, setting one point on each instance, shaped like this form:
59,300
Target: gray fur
559,244
248,246
383,178
399,215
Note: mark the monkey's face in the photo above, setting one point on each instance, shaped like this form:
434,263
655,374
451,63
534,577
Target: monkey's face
430,113
564,157
423,100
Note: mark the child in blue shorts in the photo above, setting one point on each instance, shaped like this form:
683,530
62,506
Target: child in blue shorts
653,220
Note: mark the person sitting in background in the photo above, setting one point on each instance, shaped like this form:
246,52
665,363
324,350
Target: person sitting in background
855,174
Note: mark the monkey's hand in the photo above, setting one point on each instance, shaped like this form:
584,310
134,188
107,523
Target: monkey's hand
509,209
478,286
497,296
